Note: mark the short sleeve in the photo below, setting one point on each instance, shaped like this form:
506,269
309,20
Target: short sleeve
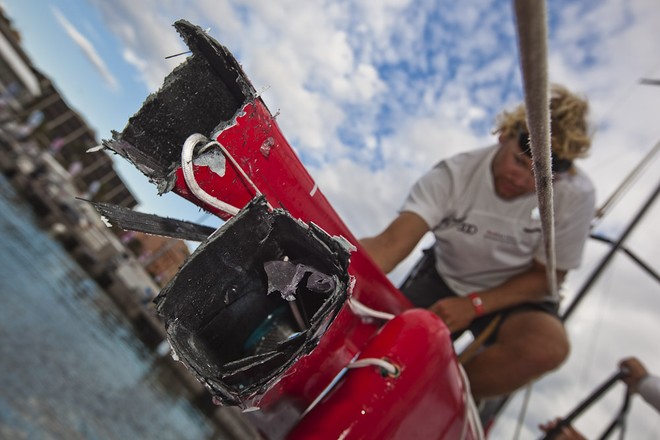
430,195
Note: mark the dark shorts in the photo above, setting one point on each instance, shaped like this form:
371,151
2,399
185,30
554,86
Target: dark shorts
424,287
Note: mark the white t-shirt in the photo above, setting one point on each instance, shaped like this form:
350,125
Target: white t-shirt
483,240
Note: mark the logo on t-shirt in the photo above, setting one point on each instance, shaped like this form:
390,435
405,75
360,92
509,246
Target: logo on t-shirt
499,237
459,224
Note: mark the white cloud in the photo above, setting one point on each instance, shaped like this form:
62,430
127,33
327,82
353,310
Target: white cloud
87,48
147,35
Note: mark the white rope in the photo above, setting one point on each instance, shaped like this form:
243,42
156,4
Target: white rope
391,369
387,366
325,391
471,416
361,310
189,175
523,410
532,41
237,166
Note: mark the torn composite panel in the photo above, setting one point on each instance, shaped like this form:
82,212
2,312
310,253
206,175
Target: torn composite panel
201,95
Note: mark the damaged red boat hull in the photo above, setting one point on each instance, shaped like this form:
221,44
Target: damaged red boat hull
417,340
301,385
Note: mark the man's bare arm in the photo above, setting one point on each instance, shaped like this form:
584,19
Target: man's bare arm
529,286
395,243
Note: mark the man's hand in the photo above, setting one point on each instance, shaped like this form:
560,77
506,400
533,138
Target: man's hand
457,313
635,371
566,432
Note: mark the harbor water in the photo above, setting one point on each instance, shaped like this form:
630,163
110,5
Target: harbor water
71,366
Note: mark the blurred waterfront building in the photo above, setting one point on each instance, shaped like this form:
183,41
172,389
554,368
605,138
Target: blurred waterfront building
40,113
160,256
18,82
38,126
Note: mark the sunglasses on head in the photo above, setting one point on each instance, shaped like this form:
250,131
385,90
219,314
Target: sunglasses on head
558,165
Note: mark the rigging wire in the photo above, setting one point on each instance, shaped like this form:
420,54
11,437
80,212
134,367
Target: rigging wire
626,184
599,309
616,103
637,171
648,269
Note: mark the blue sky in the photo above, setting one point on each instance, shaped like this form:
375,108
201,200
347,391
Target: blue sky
371,93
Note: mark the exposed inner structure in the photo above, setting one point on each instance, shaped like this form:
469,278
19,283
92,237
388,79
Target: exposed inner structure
252,299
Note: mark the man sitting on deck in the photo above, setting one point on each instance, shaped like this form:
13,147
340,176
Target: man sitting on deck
489,257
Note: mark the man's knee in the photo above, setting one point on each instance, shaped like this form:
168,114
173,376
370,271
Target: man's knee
541,348
548,356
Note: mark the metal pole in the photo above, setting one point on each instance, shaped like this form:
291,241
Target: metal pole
596,273
648,269
620,419
566,421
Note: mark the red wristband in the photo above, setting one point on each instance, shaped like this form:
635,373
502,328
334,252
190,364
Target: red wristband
477,303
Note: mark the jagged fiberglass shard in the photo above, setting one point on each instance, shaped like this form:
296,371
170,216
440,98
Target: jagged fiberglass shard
130,220
221,321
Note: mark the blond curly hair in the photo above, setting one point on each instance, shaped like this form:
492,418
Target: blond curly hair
569,131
